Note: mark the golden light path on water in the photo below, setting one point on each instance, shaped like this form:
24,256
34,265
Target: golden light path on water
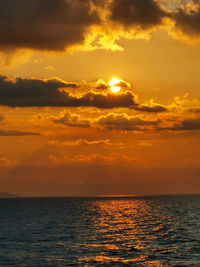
121,225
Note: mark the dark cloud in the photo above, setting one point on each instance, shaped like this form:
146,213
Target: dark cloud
187,124
142,13
16,133
123,84
191,124
43,93
31,92
154,109
124,122
188,21
107,101
102,86
58,24
46,24
72,120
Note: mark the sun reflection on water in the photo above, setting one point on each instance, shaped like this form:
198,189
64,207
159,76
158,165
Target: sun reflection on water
121,233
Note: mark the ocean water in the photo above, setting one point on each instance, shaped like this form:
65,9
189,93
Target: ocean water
137,231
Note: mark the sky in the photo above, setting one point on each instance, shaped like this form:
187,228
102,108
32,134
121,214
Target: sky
64,131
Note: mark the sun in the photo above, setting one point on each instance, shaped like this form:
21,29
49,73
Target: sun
112,83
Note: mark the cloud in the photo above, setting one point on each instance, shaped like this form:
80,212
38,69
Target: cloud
25,92
72,120
151,109
180,18
110,121
123,84
125,122
106,101
31,92
102,85
56,25
113,121
84,142
16,133
190,124
46,24
7,162
96,158
144,14
187,18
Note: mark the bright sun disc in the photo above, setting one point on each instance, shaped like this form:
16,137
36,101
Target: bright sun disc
115,89
112,83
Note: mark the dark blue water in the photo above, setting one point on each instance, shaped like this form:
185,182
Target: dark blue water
140,231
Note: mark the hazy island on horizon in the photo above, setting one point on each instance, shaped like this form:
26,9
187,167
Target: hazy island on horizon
8,195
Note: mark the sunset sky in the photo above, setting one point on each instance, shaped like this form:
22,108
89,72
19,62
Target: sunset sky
64,131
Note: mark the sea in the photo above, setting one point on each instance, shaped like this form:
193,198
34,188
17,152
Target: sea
100,231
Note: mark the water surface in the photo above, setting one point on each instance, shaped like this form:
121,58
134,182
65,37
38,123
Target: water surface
135,231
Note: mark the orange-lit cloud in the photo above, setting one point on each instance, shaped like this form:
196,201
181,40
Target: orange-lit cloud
85,142
180,115
72,120
25,92
124,122
96,158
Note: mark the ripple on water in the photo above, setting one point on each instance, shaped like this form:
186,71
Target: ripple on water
143,231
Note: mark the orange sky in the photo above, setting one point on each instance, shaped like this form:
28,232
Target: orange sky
64,132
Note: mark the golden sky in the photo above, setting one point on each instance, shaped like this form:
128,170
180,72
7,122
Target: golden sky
99,97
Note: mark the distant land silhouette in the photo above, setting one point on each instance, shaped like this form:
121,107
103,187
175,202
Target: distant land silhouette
8,195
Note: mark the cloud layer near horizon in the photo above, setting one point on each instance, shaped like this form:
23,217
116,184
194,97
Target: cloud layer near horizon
115,111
